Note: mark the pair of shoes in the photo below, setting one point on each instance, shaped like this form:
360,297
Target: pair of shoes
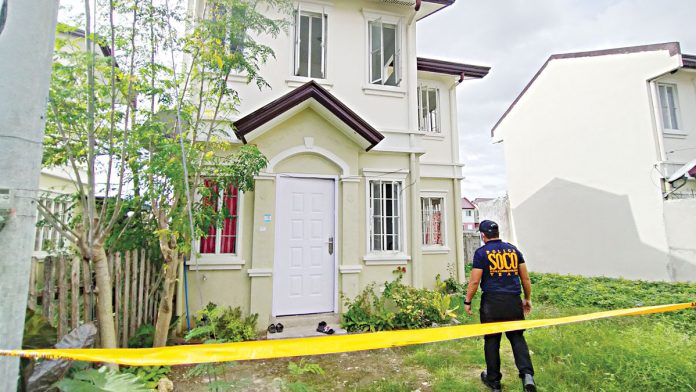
528,383
273,328
323,328
493,385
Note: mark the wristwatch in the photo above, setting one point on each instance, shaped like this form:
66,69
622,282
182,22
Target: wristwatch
467,303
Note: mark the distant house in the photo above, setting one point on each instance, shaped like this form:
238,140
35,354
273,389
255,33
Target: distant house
600,149
469,222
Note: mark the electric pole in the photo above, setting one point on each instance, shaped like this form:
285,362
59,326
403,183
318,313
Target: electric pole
27,33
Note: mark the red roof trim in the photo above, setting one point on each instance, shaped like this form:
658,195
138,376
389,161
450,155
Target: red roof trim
310,90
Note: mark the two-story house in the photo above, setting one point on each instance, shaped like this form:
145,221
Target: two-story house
364,169
600,149
469,221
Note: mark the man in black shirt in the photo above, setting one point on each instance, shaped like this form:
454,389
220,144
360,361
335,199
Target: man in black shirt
501,270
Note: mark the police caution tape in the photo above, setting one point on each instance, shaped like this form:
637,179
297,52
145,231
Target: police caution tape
263,349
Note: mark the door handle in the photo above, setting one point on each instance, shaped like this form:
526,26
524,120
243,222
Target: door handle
331,245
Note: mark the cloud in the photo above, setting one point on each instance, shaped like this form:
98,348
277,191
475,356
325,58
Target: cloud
515,37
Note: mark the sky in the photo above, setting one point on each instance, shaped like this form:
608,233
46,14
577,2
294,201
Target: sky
514,38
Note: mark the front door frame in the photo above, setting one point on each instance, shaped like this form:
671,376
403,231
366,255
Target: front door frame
337,248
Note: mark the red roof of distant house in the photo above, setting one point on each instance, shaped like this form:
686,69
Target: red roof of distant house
467,205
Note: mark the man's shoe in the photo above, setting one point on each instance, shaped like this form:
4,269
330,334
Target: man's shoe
528,383
493,385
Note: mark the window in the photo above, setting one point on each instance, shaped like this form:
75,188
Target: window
429,109
47,238
468,212
234,34
669,105
310,44
385,215
385,53
431,210
222,240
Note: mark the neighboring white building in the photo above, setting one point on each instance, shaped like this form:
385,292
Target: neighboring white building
591,145
469,222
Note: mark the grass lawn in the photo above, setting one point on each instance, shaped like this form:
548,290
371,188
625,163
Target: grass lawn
636,353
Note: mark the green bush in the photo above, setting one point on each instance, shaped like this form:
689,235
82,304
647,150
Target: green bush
399,307
144,337
569,291
220,324
150,375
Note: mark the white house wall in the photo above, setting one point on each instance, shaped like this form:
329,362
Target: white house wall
579,149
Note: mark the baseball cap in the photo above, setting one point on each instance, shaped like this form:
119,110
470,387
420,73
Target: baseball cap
488,227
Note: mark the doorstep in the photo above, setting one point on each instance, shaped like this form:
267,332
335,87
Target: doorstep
305,326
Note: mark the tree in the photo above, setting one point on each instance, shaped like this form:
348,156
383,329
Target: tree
150,132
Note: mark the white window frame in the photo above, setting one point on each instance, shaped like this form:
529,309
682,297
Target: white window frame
671,129
437,194
386,257
379,88
423,120
39,251
223,260
311,10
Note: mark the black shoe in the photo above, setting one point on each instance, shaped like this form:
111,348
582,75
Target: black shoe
528,383
493,385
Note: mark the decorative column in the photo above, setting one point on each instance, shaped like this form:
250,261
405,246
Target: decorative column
351,265
262,251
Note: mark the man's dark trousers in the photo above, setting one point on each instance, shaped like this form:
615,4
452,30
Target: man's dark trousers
504,307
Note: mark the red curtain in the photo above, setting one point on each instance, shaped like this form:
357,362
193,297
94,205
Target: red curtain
229,226
208,242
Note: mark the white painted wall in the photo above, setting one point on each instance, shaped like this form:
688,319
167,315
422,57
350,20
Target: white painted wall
580,147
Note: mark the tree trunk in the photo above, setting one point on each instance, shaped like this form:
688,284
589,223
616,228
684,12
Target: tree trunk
87,292
164,313
105,313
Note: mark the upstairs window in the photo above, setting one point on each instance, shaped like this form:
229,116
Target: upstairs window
221,240
385,215
429,109
669,106
310,44
431,209
47,238
385,53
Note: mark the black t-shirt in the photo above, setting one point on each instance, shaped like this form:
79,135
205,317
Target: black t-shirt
500,264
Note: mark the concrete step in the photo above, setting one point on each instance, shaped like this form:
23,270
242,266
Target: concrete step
303,326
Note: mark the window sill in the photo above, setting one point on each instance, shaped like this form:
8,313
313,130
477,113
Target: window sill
433,136
297,81
216,262
385,91
674,134
435,250
386,259
237,78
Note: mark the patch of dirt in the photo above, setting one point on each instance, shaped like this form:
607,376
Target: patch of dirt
345,371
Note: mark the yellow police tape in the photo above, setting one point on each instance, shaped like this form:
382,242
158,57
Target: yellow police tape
262,349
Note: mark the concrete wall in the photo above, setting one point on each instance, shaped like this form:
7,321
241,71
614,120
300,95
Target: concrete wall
579,147
681,237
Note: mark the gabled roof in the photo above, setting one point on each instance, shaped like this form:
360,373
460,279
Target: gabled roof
450,68
688,61
467,205
308,91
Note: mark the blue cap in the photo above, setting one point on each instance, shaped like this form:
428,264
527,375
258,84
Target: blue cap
488,227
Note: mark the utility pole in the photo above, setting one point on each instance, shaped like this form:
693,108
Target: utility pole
27,33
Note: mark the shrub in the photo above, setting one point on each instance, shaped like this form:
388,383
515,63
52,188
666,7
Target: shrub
89,380
144,337
220,324
150,375
399,307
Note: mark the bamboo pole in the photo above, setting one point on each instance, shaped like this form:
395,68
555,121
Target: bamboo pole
75,293
31,303
87,290
126,297
47,296
62,297
134,293
118,287
146,290
141,287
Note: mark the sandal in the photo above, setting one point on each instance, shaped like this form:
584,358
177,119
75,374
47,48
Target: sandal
272,328
279,327
323,328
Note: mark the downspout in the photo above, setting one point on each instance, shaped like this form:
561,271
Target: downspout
414,165
459,255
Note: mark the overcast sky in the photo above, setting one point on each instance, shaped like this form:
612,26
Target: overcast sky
515,37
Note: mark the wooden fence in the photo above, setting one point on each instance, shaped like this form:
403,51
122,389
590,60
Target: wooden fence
62,287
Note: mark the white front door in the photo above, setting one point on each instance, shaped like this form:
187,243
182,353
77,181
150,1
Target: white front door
304,266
